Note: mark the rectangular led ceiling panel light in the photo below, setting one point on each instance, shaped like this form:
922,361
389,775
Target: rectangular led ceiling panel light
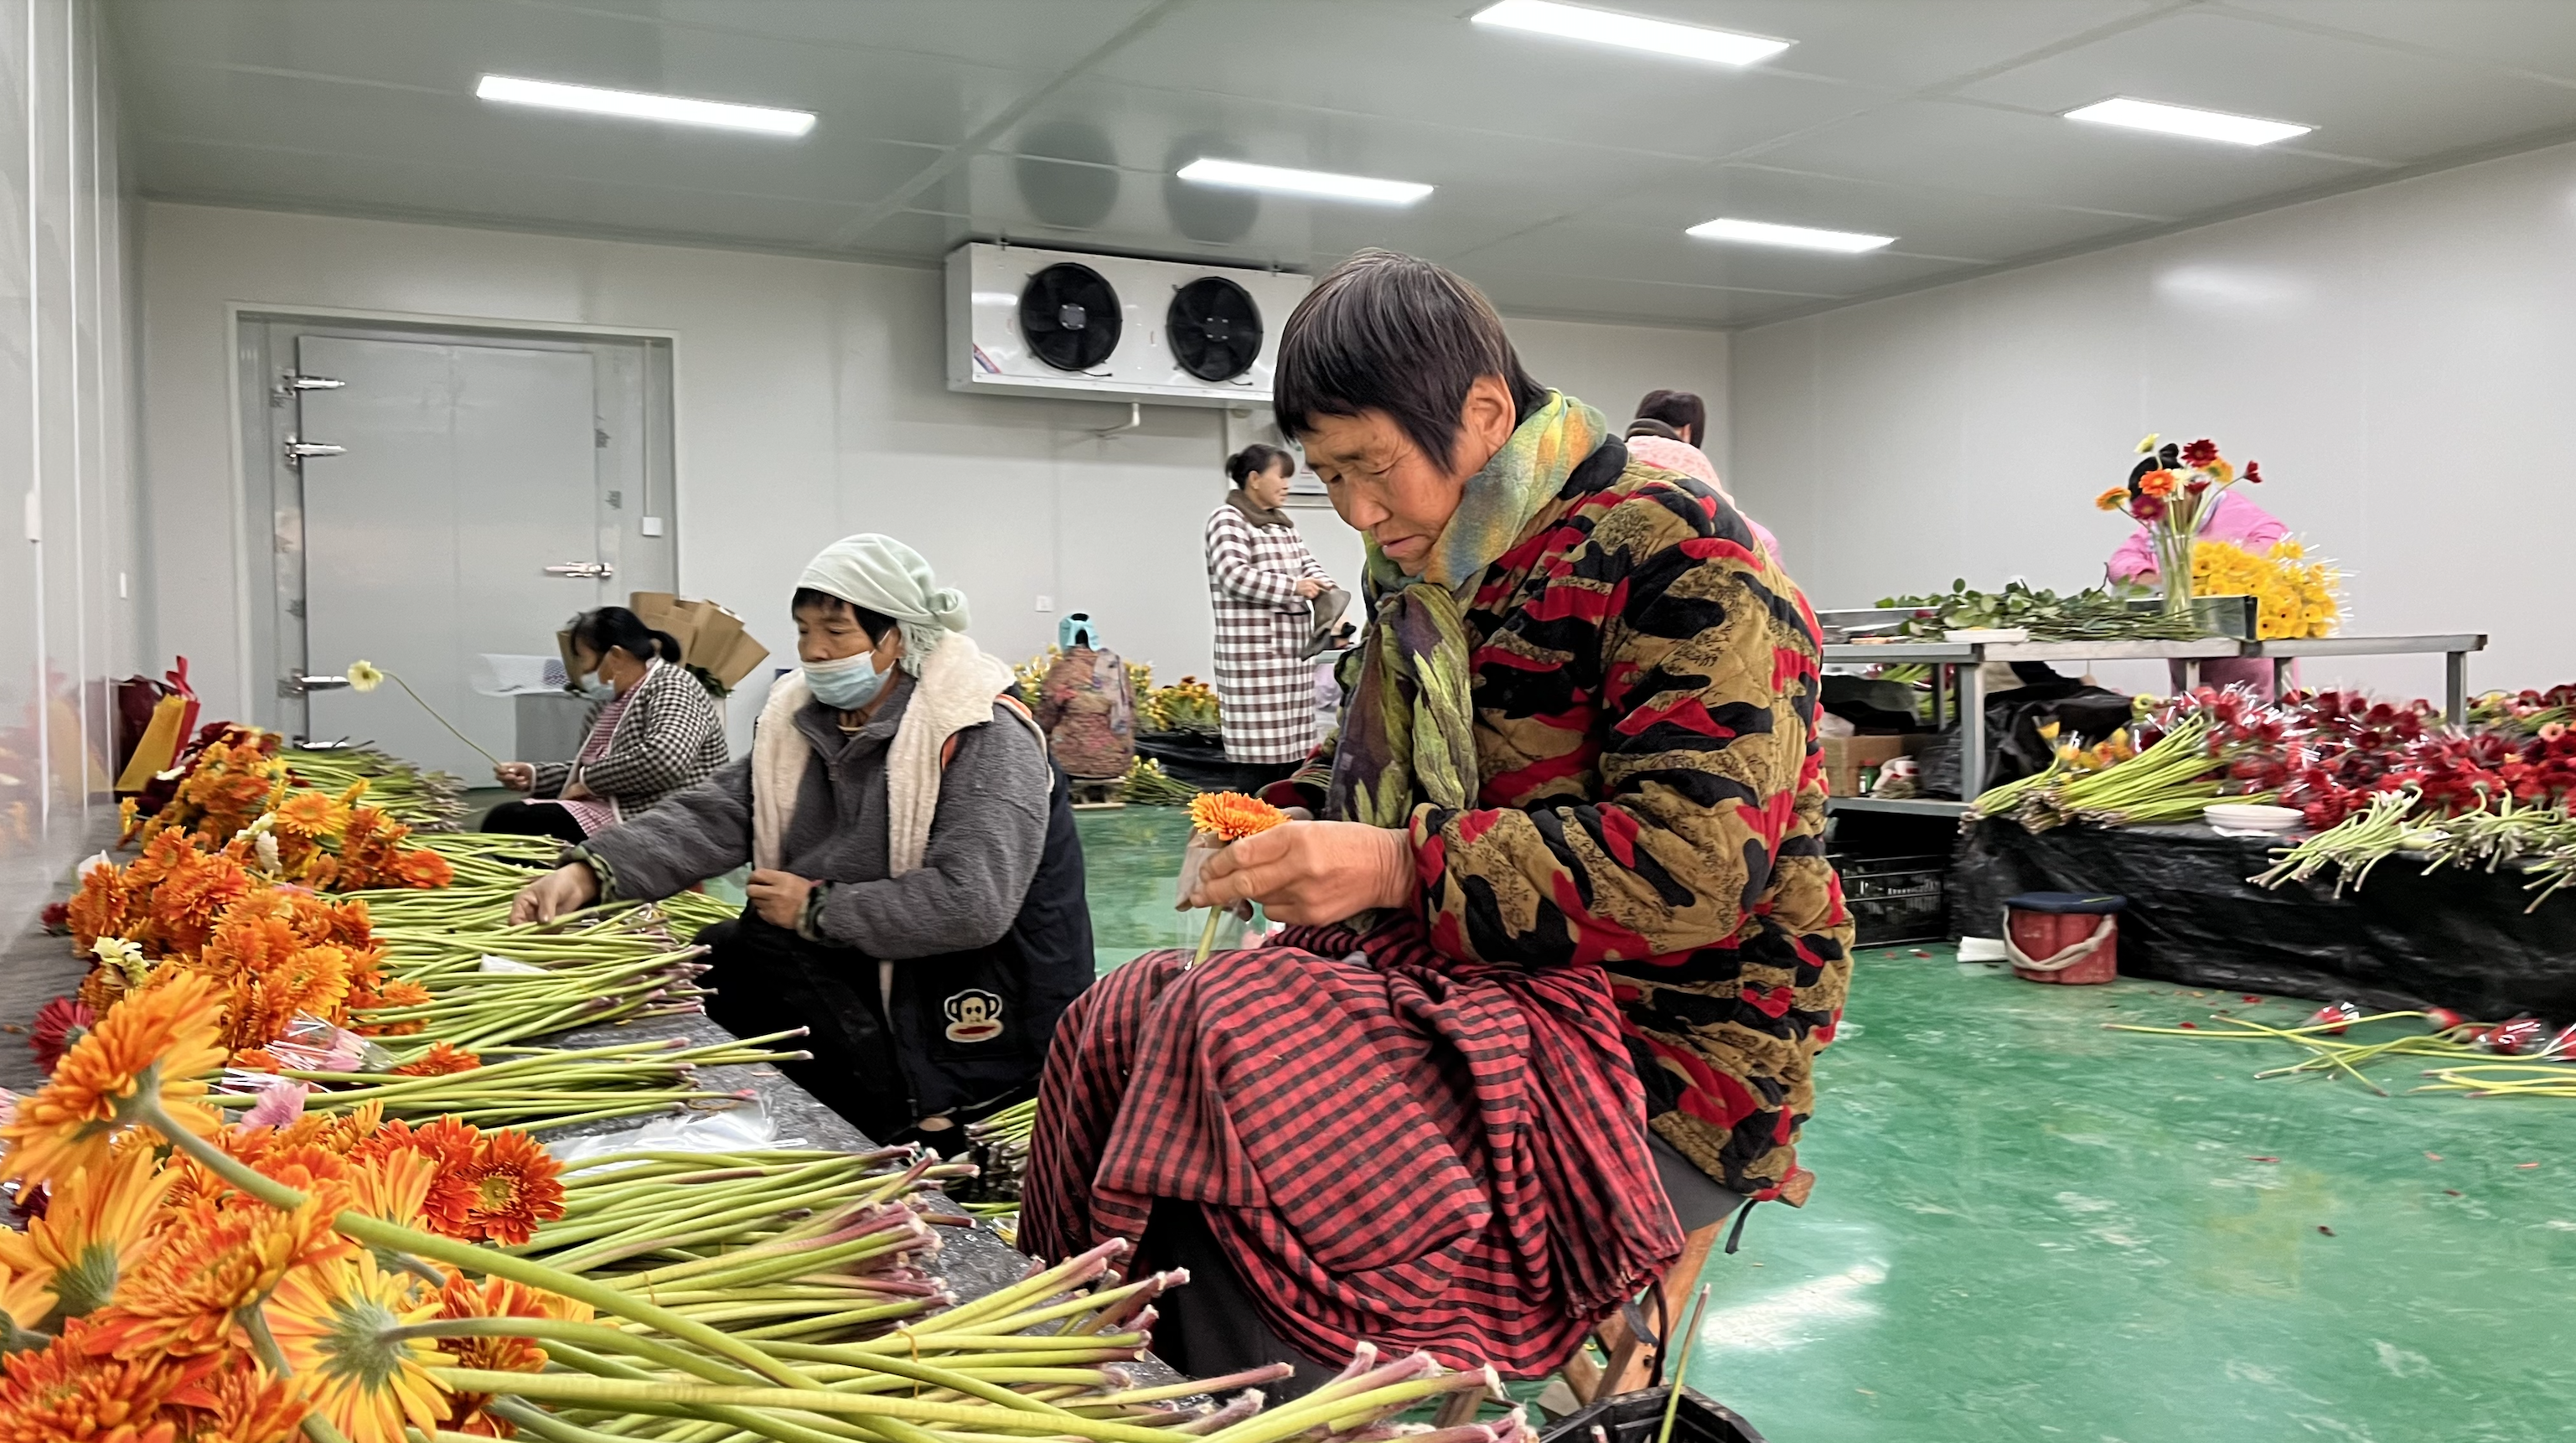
1631,32
636,105
2183,120
1764,233
1304,182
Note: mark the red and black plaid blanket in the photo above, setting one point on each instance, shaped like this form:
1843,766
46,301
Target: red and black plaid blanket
1392,1146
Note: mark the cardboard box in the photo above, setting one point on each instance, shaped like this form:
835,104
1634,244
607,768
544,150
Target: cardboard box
1847,757
711,638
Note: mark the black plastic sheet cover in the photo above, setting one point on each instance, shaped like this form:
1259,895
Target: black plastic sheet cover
2454,938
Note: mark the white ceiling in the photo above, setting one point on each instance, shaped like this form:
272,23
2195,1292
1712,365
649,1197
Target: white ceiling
1566,172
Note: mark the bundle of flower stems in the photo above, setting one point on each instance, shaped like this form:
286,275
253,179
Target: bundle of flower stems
422,801
2170,781
999,1143
533,1089
1148,785
775,1244
2474,1068
2541,837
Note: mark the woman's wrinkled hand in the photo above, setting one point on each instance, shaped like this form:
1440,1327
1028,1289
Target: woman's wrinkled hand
1312,873
517,776
1309,588
779,897
567,888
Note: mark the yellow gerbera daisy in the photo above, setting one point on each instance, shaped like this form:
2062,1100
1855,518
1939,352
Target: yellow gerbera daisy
94,1227
365,676
331,1323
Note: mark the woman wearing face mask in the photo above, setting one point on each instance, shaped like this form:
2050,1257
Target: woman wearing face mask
916,892
658,732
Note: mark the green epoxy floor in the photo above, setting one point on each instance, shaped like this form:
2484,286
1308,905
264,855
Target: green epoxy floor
2026,1227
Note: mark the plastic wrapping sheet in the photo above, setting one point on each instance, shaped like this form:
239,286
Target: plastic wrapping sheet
2452,938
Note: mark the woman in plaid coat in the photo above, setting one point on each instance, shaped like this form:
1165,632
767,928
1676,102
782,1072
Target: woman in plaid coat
660,733
1263,582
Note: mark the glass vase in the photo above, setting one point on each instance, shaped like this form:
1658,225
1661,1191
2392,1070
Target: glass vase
2173,565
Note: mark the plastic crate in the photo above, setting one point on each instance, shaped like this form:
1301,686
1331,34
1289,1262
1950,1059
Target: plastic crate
1637,1417
1896,899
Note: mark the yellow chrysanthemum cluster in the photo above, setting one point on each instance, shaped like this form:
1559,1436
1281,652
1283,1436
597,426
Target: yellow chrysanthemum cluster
2294,597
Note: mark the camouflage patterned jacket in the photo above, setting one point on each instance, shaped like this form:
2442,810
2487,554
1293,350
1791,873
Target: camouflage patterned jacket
1652,800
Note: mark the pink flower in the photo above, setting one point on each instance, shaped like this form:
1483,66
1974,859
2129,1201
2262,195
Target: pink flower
280,1103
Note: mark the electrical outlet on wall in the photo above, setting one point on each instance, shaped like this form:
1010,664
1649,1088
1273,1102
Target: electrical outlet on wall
1046,603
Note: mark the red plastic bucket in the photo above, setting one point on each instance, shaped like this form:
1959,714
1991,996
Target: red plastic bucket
2069,938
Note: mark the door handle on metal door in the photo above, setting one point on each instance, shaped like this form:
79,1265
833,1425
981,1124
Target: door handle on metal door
589,570
296,683
296,450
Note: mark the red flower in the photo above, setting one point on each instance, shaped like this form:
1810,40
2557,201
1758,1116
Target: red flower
2200,452
58,1024
57,918
2253,472
2197,485
2149,509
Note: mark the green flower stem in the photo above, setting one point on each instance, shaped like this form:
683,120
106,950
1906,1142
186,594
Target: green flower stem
1297,1417
1207,938
442,721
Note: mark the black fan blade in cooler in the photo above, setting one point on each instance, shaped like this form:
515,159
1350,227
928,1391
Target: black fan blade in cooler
1070,316
1214,328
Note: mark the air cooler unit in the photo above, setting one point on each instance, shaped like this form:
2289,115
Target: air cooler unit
1026,322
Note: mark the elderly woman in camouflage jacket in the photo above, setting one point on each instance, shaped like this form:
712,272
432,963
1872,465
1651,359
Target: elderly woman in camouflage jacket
1569,878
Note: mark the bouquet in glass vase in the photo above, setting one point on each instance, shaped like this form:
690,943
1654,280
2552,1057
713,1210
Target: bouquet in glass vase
2173,491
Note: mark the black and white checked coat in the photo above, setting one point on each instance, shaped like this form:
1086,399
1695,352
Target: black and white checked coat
1265,686
670,736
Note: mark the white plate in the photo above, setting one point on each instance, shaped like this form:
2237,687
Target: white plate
2252,817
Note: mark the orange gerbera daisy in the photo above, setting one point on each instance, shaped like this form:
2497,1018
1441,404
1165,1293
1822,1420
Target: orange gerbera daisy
2112,500
447,1207
514,1187
496,1298
2156,483
94,1227
441,1059
1232,816
209,1262
243,1402
67,1394
153,1047
331,1323
311,814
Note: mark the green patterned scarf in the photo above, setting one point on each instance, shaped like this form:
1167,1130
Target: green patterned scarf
1408,733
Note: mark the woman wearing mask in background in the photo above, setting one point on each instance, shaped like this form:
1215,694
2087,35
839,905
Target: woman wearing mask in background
1264,584
916,898
658,732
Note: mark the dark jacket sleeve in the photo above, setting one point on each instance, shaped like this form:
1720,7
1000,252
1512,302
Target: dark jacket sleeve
986,840
692,835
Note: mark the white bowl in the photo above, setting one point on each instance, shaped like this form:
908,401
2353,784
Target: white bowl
2251,817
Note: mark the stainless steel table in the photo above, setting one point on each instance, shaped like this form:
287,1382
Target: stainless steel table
2453,647
1964,659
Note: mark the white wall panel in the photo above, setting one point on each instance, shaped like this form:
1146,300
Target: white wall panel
2400,360
810,404
65,492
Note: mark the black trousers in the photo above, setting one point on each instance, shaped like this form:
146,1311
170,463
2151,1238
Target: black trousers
768,979
535,819
1210,1328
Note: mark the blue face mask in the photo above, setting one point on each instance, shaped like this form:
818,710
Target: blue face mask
847,684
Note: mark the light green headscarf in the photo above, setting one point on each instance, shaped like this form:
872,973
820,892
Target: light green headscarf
890,579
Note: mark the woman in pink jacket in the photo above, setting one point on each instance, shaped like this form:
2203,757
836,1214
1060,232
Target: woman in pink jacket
2234,519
